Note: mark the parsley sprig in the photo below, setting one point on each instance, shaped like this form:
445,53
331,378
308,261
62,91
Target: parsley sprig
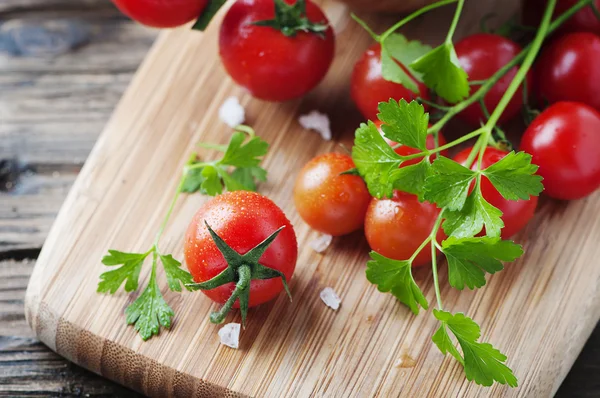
237,169
455,189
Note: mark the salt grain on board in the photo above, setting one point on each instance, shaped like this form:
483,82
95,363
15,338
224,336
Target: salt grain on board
321,243
232,112
315,120
230,335
330,298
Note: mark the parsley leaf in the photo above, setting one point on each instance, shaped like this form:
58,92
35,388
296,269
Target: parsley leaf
469,259
514,176
442,73
475,214
237,170
149,311
448,184
375,159
396,53
396,276
483,363
404,123
412,178
131,265
176,276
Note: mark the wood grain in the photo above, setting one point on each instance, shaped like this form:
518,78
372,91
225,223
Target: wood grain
288,349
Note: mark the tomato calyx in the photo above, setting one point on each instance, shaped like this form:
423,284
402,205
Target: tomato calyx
241,270
291,19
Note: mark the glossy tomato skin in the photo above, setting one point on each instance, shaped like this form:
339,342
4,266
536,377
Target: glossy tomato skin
243,220
331,203
569,70
369,88
515,214
481,55
583,21
267,63
396,227
406,150
564,142
160,13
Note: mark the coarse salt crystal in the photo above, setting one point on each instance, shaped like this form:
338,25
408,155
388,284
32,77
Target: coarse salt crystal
230,335
330,299
317,121
321,243
232,112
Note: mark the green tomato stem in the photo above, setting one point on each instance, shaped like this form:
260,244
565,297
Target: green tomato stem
409,18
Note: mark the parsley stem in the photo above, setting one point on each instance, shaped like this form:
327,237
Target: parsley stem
532,52
409,18
459,7
171,208
434,244
419,249
451,144
366,27
484,88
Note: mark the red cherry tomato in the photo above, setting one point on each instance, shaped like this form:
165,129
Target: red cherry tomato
396,227
272,66
243,220
583,21
515,214
569,70
406,150
564,141
369,88
482,55
161,14
327,201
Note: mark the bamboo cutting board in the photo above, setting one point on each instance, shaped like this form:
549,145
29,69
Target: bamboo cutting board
539,311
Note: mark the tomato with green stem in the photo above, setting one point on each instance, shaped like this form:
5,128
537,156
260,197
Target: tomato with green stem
515,214
568,70
241,251
368,87
481,56
329,201
396,227
278,50
161,14
585,20
564,141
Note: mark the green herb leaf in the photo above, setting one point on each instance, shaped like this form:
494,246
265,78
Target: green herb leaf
375,159
149,311
131,265
247,177
442,73
176,276
483,363
469,221
412,178
448,184
396,276
514,176
211,183
193,181
469,259
396,53
404,123
207,15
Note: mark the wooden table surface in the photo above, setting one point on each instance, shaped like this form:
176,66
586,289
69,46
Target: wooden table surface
63,67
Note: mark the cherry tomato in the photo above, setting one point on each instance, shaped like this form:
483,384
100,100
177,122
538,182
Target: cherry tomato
481,55
161,14
243,220
327,201
396,227
515,214
406,150
583,21
271,65
569,70
369,88
564,142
